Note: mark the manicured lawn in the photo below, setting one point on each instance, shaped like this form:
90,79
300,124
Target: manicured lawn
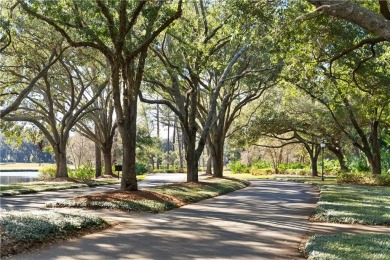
154,199
38,186
369,205
246,176
349,246
23,166
33,187
328,180
22,230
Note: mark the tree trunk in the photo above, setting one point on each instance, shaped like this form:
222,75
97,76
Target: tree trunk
375,163
107,162
129,134
158,133
314,167
192,162
210,158
340,157
179,145
62,169
218,156
98,161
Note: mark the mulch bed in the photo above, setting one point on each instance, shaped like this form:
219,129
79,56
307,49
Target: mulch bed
129,195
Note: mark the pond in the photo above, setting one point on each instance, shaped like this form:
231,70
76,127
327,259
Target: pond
10,177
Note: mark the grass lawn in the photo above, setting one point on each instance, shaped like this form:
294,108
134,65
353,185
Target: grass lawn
22,230
246,176
349,246
24,166
368,205
156,199
34,187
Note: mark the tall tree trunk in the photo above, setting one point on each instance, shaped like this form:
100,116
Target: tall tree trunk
340,157
180,148
98,161
107,159
209,158
217,146
314,167
129,134
375,163
192,160
158,134
169,123
60,153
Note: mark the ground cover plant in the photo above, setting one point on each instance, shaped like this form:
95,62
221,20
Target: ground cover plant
362,204
33,187
154,199
349,246
22,230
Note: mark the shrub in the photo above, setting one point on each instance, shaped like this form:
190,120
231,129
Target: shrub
285,166
84,172
140,168
383,179
352,177
267,171
260,164
47,172
238,167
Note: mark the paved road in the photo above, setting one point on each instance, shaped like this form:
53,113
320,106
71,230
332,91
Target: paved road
264,221
38,200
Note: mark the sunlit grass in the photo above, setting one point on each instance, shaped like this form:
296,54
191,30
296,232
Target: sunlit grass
33,187
328,180
349,246
21,230
354,204
246,176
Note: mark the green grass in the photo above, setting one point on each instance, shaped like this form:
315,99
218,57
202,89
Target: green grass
170,196
192,193
328,180
22,230
369,205
24,166
246,176
349,246
34,187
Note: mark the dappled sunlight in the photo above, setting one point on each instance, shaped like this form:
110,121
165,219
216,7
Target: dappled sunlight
263,221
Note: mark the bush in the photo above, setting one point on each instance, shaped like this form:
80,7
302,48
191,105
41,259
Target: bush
238,167
358,164
84,173
47,172
140,168
285,166
260,164
383,179
267,171
352,177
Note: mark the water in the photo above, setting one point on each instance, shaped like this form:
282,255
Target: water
16,177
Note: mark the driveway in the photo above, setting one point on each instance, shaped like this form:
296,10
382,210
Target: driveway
264,221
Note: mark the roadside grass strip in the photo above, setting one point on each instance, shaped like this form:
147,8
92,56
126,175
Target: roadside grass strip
34,187
22,230
328,180
354,204
348,246
156,199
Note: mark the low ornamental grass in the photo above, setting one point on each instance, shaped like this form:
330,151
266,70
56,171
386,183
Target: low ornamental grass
369,205
349,246
21,230
34,187
162,198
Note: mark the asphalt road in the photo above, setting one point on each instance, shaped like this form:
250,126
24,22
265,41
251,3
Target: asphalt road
264,221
